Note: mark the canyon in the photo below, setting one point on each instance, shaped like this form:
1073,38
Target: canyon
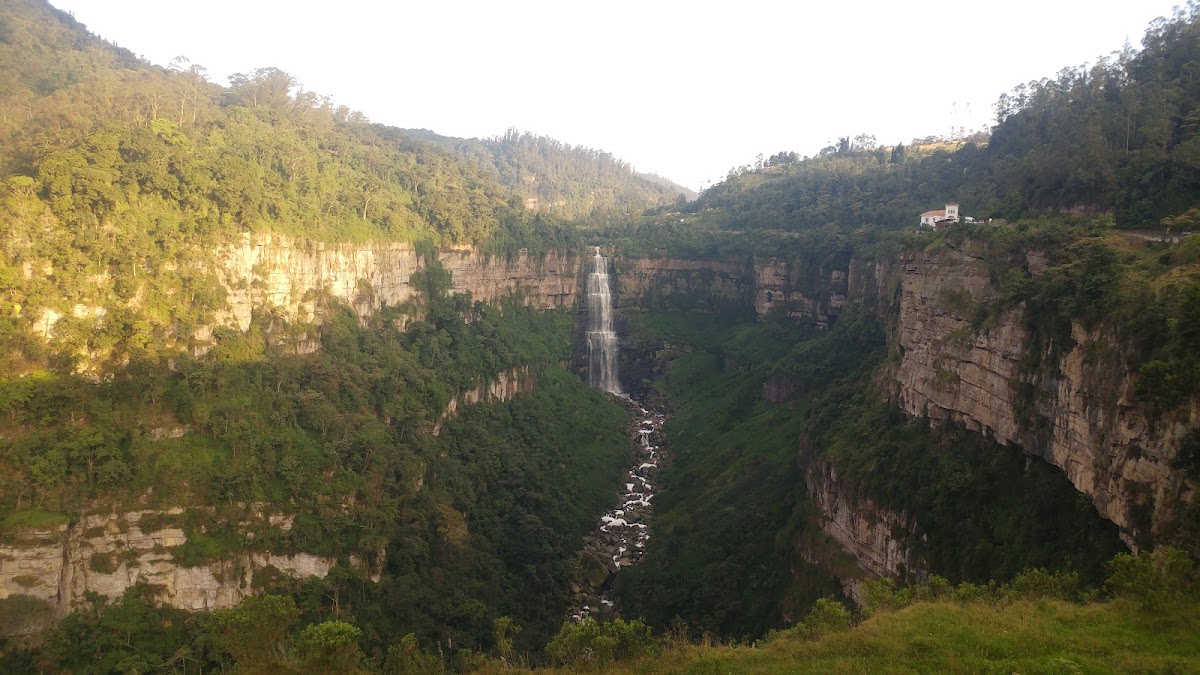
946,369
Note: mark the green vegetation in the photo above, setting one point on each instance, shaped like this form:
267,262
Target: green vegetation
575,184
1039,622
479,521
1145,618
721,557
121,183
733,514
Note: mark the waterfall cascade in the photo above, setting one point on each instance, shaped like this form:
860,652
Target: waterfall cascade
601,338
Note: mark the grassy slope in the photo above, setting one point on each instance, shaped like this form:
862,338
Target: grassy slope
1046,636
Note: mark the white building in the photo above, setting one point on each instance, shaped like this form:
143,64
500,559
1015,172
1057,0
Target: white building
940,218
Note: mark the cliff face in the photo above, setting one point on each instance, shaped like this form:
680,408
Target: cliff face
703,285
1082,418
757,285
503,387
109,554
776,285
876,537
276,271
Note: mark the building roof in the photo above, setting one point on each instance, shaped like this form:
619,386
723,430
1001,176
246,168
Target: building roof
940,212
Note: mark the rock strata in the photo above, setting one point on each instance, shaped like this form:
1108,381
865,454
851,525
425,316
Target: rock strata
875,536
281,272
503,387
1078,412
109,554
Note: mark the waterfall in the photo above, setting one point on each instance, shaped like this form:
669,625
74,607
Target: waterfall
601,338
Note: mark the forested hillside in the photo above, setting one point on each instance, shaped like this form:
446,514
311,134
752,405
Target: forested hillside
1117,137
780,431
128,388
578,184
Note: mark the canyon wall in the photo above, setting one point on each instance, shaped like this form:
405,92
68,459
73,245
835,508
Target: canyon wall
877,538
278,271
110,553
755,285
504,387
1079,414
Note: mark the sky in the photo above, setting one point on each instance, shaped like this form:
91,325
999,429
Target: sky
687,90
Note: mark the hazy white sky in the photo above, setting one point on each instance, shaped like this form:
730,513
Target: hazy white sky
683,89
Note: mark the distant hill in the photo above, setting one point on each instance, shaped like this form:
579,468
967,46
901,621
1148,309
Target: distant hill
575,183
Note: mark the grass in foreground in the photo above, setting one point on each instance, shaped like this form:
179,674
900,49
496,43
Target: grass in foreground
1028,636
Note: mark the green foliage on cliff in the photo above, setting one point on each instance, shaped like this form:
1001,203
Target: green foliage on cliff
1073,279
732,504
735,496
479,521
1146,619
983,511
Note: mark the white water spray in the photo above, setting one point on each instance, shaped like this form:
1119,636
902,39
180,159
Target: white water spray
601,338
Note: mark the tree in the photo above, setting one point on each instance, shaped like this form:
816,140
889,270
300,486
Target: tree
253,631
331,647
269,87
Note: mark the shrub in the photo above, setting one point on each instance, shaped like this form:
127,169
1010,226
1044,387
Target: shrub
593,643
883,595
253,631
104,563
331,647
406,657
826,617
1158,580
936,588
1038,583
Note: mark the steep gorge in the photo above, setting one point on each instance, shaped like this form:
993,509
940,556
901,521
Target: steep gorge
945,369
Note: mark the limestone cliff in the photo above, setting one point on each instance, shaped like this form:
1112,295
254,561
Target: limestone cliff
503,387
1080,416
758,285
287,274
877,538
109,554
278,271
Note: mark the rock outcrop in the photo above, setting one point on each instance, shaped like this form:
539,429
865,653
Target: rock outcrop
505,386
279,271
777,286
1079,413
109,554
757,285
878,538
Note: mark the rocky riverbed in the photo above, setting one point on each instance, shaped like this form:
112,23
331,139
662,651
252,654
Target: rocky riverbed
621,534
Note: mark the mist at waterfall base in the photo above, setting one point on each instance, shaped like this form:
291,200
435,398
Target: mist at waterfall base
601,338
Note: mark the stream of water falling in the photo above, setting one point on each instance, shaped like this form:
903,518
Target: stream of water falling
601,338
